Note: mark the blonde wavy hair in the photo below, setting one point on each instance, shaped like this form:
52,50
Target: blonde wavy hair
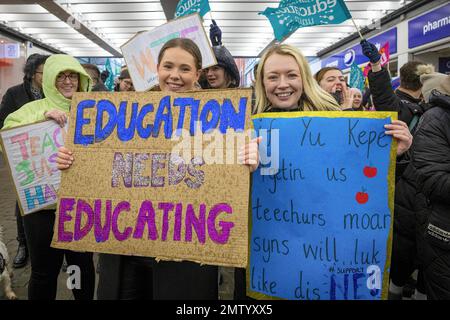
314,98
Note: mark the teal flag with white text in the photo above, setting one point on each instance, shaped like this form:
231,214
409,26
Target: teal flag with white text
356,77
109,83
293,14
186,7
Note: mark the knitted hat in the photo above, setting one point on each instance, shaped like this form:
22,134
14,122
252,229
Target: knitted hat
432,80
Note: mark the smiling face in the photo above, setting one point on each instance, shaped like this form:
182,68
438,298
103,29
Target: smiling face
282,81
67,83
126,84
332,81
177,70
357,98
216,77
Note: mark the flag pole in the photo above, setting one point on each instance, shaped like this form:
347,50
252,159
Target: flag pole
357,29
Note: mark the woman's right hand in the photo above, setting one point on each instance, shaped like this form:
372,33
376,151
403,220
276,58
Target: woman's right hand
64,159
57,115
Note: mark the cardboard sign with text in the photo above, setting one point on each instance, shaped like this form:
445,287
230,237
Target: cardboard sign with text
31,152
322,208
141,51
156,174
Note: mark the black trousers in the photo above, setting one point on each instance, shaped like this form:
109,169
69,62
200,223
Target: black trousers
407,243
20,231
144,278
46,261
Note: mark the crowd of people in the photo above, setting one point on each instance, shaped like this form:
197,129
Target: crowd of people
283,83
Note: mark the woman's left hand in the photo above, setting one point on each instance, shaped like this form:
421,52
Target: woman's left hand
400,131
249,154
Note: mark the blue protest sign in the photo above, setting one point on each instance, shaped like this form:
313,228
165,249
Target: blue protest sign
322,224
185,7
291,15
429,27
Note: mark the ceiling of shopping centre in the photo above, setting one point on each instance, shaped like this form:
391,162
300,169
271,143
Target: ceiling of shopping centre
99,27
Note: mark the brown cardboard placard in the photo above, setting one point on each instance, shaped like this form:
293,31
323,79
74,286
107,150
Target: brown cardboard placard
127,193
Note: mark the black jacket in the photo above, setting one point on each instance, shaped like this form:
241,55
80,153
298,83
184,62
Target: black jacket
385,99
14,98
431,159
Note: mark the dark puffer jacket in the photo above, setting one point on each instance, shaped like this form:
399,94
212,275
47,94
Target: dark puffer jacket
431,158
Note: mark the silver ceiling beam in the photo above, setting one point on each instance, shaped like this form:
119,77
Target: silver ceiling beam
65,16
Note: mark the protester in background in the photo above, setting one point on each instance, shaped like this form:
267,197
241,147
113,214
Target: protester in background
431,161
104,76
94,73
225,73
407,101
356,97
125,83
14,98
179,67
63,76
333,81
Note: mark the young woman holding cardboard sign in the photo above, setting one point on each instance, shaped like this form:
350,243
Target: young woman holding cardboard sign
128,277
284,83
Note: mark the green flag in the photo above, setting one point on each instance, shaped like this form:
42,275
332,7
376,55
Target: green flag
293,14
186,7
356,77
109,83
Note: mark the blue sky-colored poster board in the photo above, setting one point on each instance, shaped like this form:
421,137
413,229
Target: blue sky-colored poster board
322,224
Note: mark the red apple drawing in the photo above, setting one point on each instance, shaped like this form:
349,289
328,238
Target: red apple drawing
362,197
370,172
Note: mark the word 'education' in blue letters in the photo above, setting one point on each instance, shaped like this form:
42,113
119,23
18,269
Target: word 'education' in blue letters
211,115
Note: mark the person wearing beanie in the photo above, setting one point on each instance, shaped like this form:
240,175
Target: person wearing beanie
15,97
431,162
225,73
125,83
432,80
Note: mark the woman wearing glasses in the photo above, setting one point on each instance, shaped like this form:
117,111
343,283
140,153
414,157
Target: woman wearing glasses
63,76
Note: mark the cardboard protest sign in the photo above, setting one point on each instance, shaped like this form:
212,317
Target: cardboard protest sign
31,154
322,204
141,51
155,174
